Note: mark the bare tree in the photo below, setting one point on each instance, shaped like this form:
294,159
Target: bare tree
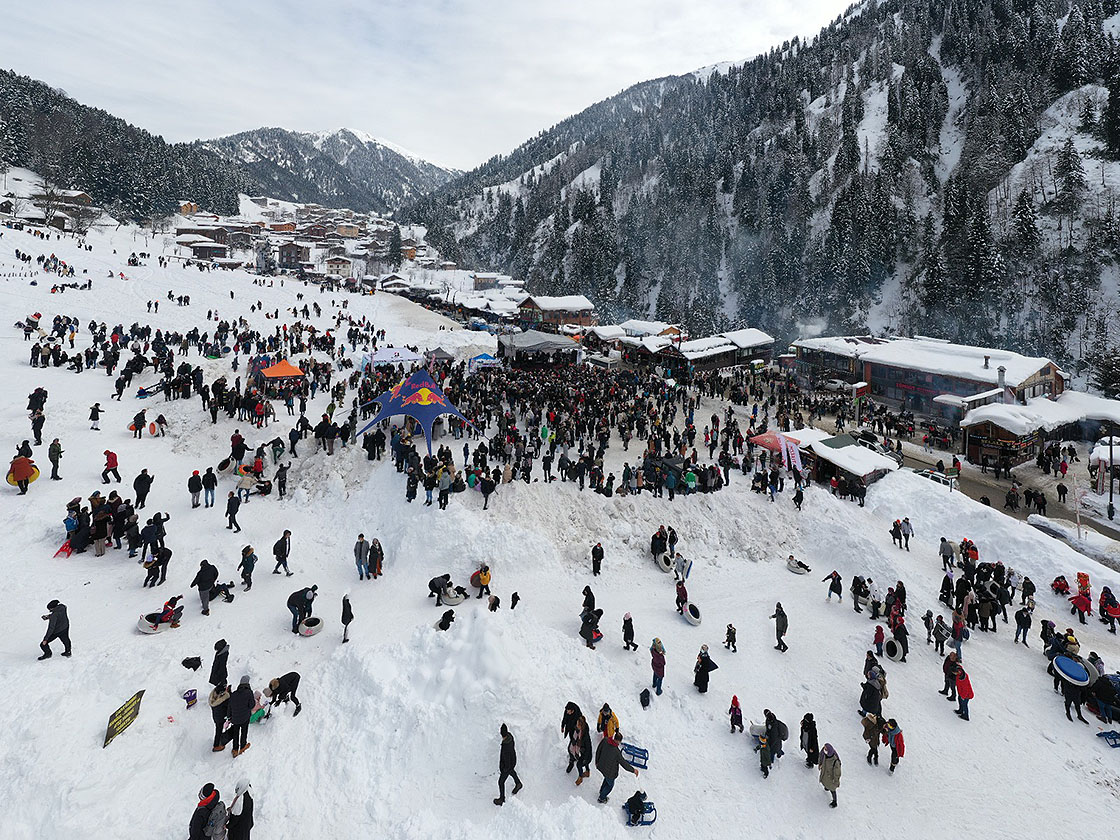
19,204
83,216
49,199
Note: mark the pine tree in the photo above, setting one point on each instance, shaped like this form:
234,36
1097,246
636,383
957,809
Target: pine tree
1070,175
1105,376
1112,116
1024,225
395,247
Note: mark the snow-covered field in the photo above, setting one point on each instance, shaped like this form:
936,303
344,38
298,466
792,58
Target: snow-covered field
399,732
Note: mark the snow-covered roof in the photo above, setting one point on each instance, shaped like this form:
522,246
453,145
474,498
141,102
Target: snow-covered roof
637,327
702,348
748,337
608,332
561,303
933,356
857,460
651,343
1045,413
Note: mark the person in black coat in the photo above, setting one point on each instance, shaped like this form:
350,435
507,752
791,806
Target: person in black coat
299,603
347,617
142,484
233,505
588,599
572,714
205,579
703,668
240,812
241,704
597,558
507,764
208,800
219,710
280,551
58,627
218,673
282,689
809,744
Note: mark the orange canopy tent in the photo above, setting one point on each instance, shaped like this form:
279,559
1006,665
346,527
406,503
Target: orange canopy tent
283,369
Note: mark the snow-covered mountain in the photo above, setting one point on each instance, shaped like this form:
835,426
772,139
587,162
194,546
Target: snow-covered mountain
341,168
946,167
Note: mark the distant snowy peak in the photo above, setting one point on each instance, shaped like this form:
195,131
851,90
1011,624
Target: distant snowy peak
341,168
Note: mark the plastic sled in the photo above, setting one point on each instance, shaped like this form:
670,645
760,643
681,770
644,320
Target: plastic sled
1111,737
65,550
152,429
310,626
476,579
596,637
259,715
149,624
692,614
649,815
635,755
34,475
1072,670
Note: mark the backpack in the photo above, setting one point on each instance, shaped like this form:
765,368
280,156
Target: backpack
644,697
216,824
965,634
783,731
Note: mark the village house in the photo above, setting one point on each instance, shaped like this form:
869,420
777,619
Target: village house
548,313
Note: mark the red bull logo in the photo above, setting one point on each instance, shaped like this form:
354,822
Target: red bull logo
424,396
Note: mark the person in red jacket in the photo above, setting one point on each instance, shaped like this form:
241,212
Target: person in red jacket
1081,606
110,467
20,471
892,737
964,693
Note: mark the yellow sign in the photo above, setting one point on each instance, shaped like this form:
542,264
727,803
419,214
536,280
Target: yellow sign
123,717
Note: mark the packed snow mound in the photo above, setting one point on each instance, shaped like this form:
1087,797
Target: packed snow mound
398,736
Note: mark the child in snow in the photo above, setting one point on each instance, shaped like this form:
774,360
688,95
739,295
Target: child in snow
736,714
880,637
764,760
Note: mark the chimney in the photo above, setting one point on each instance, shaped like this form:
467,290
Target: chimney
1001,371
986,360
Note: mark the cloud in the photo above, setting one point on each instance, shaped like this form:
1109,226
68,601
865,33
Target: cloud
455,82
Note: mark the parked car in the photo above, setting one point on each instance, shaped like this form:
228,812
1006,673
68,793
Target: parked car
834,385
868,441
940,478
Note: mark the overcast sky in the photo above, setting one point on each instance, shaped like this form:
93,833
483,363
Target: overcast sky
455,81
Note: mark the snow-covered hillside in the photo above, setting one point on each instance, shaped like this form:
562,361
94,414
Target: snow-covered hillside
398,737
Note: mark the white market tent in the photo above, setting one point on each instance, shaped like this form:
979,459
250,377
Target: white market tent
394,356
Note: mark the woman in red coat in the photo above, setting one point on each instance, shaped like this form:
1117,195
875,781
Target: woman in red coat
964,693
1081,606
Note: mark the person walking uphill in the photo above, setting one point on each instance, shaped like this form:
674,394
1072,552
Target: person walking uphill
20,471
233,505
608,760
781,625
110,467
58,627
809,740
347,617
219,672
247,564
703,669
507,766
597,559
892,737
829,773
280,551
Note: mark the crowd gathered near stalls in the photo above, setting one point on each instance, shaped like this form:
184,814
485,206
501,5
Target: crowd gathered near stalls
607,432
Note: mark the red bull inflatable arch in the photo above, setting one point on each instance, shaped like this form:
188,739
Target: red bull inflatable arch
418,397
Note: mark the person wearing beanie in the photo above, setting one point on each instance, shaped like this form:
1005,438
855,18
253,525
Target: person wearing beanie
58,627
736,714
241,704
507,766
219,710
628,633
282,689
829,773
240,812
218,672
299,603
209,817
194,487
729,640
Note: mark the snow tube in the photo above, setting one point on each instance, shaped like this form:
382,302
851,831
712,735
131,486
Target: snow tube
692,614
1072,670
797,568
893,650
223,465
452,598
310,626
34,475
664,562
476,579
149,624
